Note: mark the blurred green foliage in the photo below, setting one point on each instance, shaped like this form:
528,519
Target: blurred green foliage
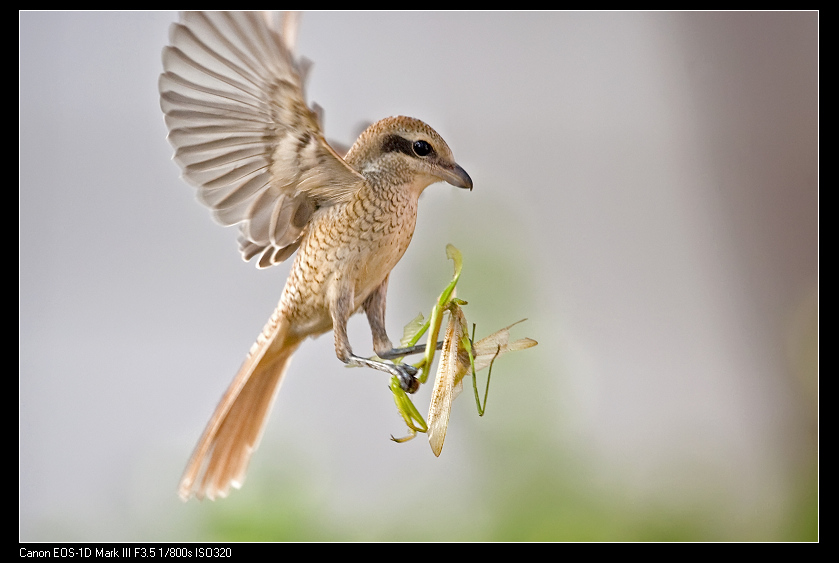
525,483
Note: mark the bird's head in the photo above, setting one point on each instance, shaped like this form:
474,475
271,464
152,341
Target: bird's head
406,150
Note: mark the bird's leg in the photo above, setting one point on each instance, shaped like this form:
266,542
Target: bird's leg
374,306
341,310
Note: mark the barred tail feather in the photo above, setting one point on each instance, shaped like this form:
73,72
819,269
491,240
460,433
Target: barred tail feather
221,458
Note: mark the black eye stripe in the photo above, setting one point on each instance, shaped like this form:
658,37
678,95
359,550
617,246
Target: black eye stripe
395,143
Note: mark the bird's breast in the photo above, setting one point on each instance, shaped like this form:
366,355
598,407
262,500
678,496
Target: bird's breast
348,247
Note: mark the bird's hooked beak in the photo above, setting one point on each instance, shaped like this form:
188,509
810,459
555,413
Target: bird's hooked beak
456,176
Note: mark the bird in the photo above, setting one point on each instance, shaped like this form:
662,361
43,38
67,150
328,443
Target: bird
232,92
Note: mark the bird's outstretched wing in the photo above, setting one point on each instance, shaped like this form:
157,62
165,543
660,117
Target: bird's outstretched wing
233,96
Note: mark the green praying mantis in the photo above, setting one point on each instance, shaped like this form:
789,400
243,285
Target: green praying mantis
460,356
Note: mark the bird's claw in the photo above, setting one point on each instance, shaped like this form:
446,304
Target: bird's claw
406,374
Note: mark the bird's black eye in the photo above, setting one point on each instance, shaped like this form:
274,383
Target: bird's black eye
422,148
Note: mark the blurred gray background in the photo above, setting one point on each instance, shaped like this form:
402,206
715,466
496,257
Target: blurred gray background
646,194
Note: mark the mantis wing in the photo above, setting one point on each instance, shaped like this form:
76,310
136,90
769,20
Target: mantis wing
447,378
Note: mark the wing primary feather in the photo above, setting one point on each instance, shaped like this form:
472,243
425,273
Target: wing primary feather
232,93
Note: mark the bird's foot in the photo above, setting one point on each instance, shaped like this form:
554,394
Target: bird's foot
411,350
405,373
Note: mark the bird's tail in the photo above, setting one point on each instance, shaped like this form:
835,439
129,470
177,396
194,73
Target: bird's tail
221,457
